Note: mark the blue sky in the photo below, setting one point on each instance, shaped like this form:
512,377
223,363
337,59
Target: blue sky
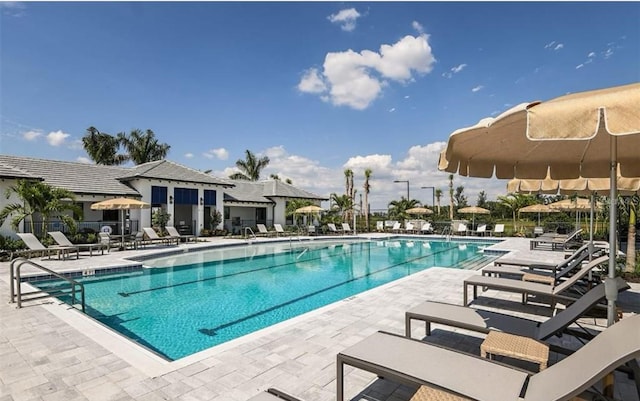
317,87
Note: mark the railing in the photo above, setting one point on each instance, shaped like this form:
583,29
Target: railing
15,280
251,231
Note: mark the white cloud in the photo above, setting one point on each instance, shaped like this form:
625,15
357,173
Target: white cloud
579,66
477,88
312,82
189,155
219,153
345,18
558,46
608,53
550,44
454,70
418,27
85,160
56,138
356,79
391,110
31,135
591,55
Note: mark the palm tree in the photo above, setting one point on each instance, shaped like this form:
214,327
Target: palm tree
367,188
143,147
451,196
39,198
438,194
342,205
102,148
348,175
630,206
250,168
398,209
514,202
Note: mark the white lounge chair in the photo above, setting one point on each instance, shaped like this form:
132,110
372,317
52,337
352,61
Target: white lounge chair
481,230
332,228
174,233
63,241
279,229
36,247
448,372
397,227
346,228
153,237
498,230
461,229
426,228
380,226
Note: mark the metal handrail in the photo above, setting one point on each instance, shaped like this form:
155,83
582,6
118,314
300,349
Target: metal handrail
251,231
16,290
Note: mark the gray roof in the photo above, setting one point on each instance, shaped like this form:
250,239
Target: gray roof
80,178
168,170
262,191
7,171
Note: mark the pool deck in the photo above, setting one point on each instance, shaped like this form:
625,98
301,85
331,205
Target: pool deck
49,351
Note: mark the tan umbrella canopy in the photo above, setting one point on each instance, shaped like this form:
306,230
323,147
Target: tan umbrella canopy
577,186
585,134
120,204
536,208
473,210
572,205
419,210
309,209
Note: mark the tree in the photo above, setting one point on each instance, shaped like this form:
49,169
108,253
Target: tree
348,176
250,168
39,198
482,199
102,148
451,196
367,188
143,147
342,205
438,195
398,209
630,207
514,202
460,198
274,177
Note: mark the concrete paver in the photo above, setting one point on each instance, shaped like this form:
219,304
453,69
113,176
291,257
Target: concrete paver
49,352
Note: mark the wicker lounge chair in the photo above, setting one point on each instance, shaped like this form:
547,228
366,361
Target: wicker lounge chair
36,247
531,287
452,373
63,241
483,321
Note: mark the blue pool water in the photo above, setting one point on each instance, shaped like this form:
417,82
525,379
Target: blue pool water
180,305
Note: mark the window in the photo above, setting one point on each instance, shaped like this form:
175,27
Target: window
209,197
158,195
185,196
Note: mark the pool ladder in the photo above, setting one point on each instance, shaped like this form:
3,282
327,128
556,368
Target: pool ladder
251,231
15,282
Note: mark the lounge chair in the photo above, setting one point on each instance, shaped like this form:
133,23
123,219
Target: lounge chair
397,227
173,233
556,242
538,231
107,241
332,228
426,228
36,247
380,226
273,394
262,231
446,371
153,237
409,228
460,229
346,228
525,287
279,229
498,230
552,272
483,321
311,229
481,230
62,240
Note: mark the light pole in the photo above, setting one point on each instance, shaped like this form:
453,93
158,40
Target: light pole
433,195
407,181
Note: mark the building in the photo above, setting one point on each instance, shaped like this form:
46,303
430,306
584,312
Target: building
188,195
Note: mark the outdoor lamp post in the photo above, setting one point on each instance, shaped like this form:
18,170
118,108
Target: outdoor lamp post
407,181
433,195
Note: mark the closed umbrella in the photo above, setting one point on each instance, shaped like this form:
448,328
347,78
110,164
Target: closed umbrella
584,134
121,204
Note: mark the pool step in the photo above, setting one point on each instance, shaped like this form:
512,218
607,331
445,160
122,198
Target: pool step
477,262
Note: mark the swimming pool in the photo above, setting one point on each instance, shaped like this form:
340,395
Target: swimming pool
181,304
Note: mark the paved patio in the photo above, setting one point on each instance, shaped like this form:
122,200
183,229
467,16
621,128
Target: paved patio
49,351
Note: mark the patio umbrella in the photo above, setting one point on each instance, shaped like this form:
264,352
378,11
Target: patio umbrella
309,209
536,208
419,210
473,210
120,204
583,134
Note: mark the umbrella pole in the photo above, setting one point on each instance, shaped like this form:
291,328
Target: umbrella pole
610,288
122,228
